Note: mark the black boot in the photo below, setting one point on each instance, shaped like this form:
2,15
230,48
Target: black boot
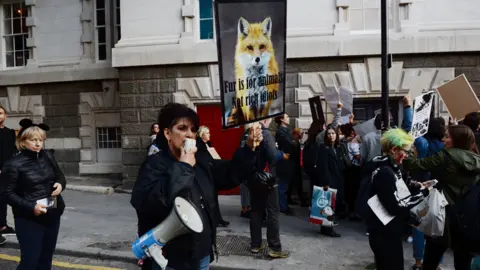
329,231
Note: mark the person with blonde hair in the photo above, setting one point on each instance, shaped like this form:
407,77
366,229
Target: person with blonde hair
386,239
32,183
203,143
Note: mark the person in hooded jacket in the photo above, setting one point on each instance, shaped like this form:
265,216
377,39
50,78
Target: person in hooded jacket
455,167
176,171
30,180
285,168
386,239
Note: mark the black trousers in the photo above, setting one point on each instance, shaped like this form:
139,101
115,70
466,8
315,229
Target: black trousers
434,251
388,250
297,184
3,213
259,202
352,185
37,243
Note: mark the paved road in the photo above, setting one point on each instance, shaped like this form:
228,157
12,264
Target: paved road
9,260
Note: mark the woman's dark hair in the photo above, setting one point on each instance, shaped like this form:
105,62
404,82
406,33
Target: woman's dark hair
169,116
151,128
347,130
279,119
314,129
337,138
436,128
463,138
472,120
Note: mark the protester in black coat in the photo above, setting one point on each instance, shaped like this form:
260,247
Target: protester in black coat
174,171
386,239
28,180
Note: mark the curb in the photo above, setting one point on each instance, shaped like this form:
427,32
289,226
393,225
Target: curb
91,189
120,257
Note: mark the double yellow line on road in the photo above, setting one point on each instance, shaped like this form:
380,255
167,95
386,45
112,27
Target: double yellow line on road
61,264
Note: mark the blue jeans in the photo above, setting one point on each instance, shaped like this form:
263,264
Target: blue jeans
282,196
204,264
419,245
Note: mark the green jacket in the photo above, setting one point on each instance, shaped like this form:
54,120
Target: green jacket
453,168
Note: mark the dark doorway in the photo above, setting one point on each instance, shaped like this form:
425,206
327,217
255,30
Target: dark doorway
364,108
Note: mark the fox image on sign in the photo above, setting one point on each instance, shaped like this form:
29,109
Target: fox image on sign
256,69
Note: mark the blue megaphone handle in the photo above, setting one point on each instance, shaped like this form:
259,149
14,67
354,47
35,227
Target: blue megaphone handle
141,245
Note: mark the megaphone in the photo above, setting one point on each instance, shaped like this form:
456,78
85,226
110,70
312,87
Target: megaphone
183,218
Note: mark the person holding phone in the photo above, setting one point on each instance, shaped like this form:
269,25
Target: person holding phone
31,180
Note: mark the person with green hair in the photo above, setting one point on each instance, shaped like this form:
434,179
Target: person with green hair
386,239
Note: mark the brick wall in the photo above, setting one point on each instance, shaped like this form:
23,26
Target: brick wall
61,102
143,92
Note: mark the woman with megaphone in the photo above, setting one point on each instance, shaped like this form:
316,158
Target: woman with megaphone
178,170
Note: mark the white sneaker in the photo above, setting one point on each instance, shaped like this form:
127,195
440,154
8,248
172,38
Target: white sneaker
367,233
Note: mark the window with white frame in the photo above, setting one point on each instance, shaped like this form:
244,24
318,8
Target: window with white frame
206,19
365,15
15,34
109,137
107,27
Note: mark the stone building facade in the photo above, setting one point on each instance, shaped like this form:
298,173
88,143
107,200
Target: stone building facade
100,96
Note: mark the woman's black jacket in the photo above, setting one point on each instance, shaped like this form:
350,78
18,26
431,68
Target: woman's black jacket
29,176
162,178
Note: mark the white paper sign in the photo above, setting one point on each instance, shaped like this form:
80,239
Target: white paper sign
346,97
379,210
421,114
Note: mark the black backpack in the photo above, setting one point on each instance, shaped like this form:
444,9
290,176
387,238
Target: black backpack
465,218
365,192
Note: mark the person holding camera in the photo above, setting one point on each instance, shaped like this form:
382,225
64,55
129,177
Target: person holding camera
32,183
177,169
264,195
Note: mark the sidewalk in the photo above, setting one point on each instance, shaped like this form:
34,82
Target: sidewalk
97,225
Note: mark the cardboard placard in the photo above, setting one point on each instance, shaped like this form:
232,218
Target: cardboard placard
459,97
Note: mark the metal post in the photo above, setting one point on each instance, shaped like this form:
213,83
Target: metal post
386,63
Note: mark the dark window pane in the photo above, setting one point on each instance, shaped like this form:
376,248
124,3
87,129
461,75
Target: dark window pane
24,12
119,32
100,4
18,43
102,35
19,59
9,44
206,29
102,52
100,17
117,3
118,16
7,11
17,26
7,26
17,10
27,56
10,59
24,26
206,9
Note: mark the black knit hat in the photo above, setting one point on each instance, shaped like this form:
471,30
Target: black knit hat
26,123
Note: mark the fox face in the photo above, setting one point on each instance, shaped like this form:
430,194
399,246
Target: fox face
254,46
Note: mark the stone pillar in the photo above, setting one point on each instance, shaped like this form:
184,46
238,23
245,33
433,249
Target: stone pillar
143,92
31,24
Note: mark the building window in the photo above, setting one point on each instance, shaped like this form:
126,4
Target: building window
365,15
109,137
15,34
107,24
206,19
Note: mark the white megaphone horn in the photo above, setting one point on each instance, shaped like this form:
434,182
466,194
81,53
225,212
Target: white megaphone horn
183,218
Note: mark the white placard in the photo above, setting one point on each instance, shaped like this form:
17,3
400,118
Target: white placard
379,210
421,114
